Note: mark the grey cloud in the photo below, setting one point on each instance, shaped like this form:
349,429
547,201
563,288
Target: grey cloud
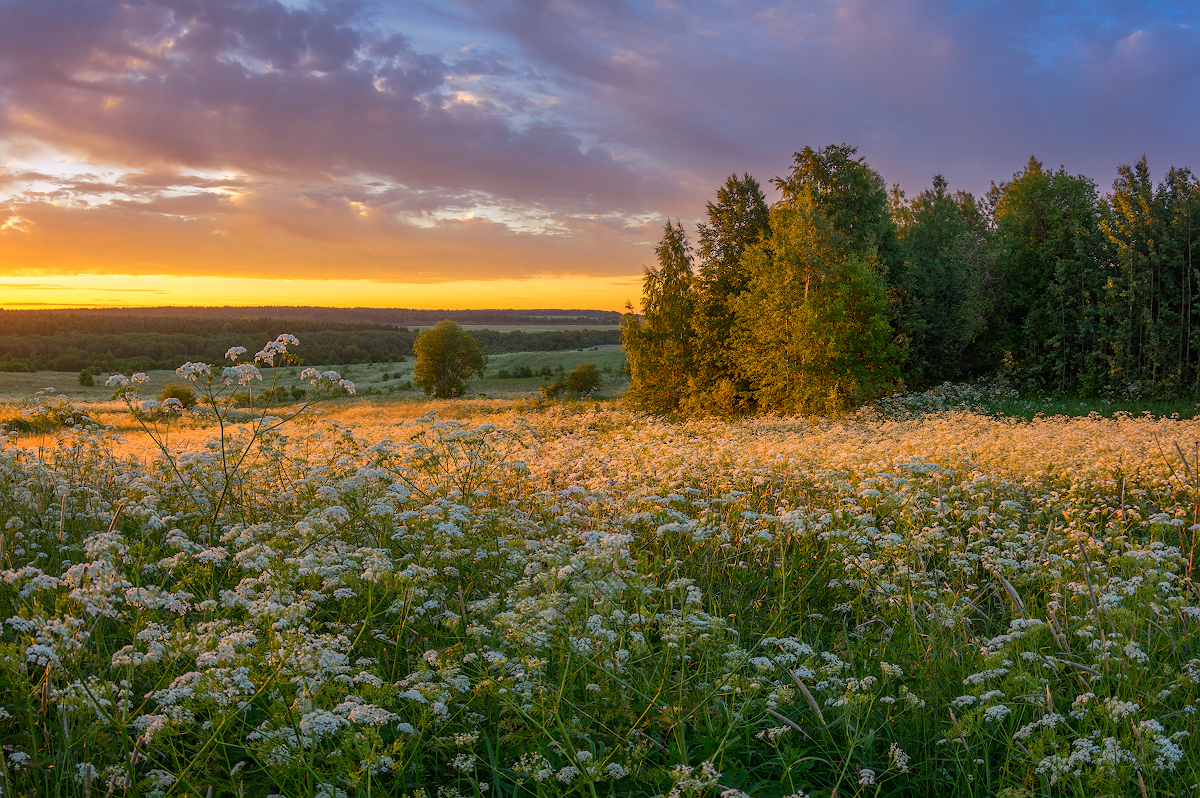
278,92
969,89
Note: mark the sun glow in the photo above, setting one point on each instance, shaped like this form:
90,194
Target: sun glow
122,290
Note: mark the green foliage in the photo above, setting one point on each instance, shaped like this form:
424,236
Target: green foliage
789,312
446,357
34,340
937,292
812,330
851,195
180,391
661,345
583,381
738,220
86,379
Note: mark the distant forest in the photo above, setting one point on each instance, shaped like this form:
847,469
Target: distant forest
844,290
399,317
109,342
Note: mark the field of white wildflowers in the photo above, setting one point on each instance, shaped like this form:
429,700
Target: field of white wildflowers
590,602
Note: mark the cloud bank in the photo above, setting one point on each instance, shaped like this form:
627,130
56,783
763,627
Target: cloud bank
408,142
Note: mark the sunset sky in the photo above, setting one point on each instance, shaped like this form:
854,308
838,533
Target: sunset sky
468,153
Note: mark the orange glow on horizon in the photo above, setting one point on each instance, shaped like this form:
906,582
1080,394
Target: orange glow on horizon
121,290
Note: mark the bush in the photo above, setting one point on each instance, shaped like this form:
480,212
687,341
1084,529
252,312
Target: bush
174,390
584,380
85,378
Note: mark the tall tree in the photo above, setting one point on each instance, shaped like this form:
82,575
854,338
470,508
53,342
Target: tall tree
1152,290
1179,198
937,231
812,330
737,220
851,194
1051,262
660,347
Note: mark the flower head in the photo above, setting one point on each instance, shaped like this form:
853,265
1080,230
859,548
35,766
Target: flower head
241,374
192,371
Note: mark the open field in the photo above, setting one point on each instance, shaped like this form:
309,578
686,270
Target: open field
529,328
580,600
18,386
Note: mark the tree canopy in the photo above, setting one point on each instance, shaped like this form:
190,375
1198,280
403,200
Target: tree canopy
842,290
446,357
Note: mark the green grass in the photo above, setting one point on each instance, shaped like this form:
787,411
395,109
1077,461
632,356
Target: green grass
1073,408
367,377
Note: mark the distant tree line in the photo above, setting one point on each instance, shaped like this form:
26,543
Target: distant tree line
357,317
843,290
107,343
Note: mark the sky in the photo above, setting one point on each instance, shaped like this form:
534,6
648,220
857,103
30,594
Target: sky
518,153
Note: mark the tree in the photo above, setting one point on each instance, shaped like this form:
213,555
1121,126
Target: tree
937,231
446,357
851,195
738,220
1049,317
1152,290
660,346
178,390
812,330
86,379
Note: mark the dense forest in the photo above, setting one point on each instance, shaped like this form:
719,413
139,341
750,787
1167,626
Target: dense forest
843,290
105,343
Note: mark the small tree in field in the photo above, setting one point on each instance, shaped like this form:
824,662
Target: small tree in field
446,357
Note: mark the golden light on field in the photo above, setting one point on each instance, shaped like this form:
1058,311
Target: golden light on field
124,290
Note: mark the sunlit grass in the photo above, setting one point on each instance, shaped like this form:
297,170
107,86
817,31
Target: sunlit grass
573,599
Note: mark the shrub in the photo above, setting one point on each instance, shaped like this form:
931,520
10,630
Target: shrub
85,378
584,380
177,390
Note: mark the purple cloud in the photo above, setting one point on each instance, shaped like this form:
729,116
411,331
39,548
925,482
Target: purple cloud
573,126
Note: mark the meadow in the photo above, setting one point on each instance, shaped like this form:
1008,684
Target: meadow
363,597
